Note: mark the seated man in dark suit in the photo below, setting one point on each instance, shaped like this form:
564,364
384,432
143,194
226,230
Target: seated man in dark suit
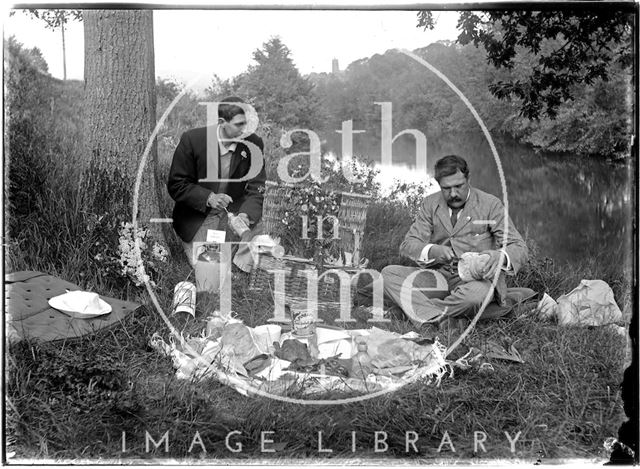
202,204
456,220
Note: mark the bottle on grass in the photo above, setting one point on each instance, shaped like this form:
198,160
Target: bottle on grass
361,361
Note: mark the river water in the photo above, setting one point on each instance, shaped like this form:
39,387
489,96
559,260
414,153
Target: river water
572,208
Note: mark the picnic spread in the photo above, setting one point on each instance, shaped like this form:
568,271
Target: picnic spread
312,358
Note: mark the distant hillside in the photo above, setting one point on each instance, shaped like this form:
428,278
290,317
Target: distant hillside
596,123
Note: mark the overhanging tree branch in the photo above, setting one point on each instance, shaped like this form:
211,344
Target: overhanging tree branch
591,40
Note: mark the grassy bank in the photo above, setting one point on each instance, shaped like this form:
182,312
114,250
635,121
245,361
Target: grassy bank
74,400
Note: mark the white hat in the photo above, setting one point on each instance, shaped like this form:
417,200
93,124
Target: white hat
80,304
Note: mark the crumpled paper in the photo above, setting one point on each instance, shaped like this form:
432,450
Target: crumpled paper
547,307
589,304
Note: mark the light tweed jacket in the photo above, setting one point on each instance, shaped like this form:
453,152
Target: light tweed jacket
480,226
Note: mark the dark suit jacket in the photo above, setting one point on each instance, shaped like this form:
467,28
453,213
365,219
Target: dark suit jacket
189,165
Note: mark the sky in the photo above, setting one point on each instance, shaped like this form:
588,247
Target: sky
199,43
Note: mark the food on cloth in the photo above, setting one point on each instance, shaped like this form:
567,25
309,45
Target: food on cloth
196,344
215,326
217,322
294,351
276,369
400,352
343,348
266,335
237,337
337,366
257,364
332,366
374,337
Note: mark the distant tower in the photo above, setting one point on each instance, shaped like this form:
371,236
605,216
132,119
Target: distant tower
335,68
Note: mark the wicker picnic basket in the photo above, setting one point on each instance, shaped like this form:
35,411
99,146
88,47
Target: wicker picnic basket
274,208
295,281
352,217
262,276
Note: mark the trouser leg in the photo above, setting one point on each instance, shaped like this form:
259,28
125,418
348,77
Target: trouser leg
462,301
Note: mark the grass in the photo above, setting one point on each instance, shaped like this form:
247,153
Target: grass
73,400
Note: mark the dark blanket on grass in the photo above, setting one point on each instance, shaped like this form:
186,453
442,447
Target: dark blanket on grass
26,300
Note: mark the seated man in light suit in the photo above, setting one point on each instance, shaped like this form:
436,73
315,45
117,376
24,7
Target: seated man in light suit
456,220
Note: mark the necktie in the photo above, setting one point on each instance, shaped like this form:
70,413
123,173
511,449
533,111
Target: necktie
454,215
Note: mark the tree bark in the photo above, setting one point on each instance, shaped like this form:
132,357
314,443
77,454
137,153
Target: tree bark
64,55
120,108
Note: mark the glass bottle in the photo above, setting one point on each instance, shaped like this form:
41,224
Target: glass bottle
237,224
313,343
361,361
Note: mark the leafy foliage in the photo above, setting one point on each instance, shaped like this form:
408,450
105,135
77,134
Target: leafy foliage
571,48
596,122
419,99
276,89
27,87
313,199
55,18
49,226
412,194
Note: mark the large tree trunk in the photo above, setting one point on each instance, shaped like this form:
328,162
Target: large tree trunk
64,55
120,108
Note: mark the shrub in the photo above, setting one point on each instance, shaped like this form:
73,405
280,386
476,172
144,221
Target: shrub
410,195
49,229
312,199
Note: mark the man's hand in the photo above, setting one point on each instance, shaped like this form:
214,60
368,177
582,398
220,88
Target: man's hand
218,201
441,254
495,262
